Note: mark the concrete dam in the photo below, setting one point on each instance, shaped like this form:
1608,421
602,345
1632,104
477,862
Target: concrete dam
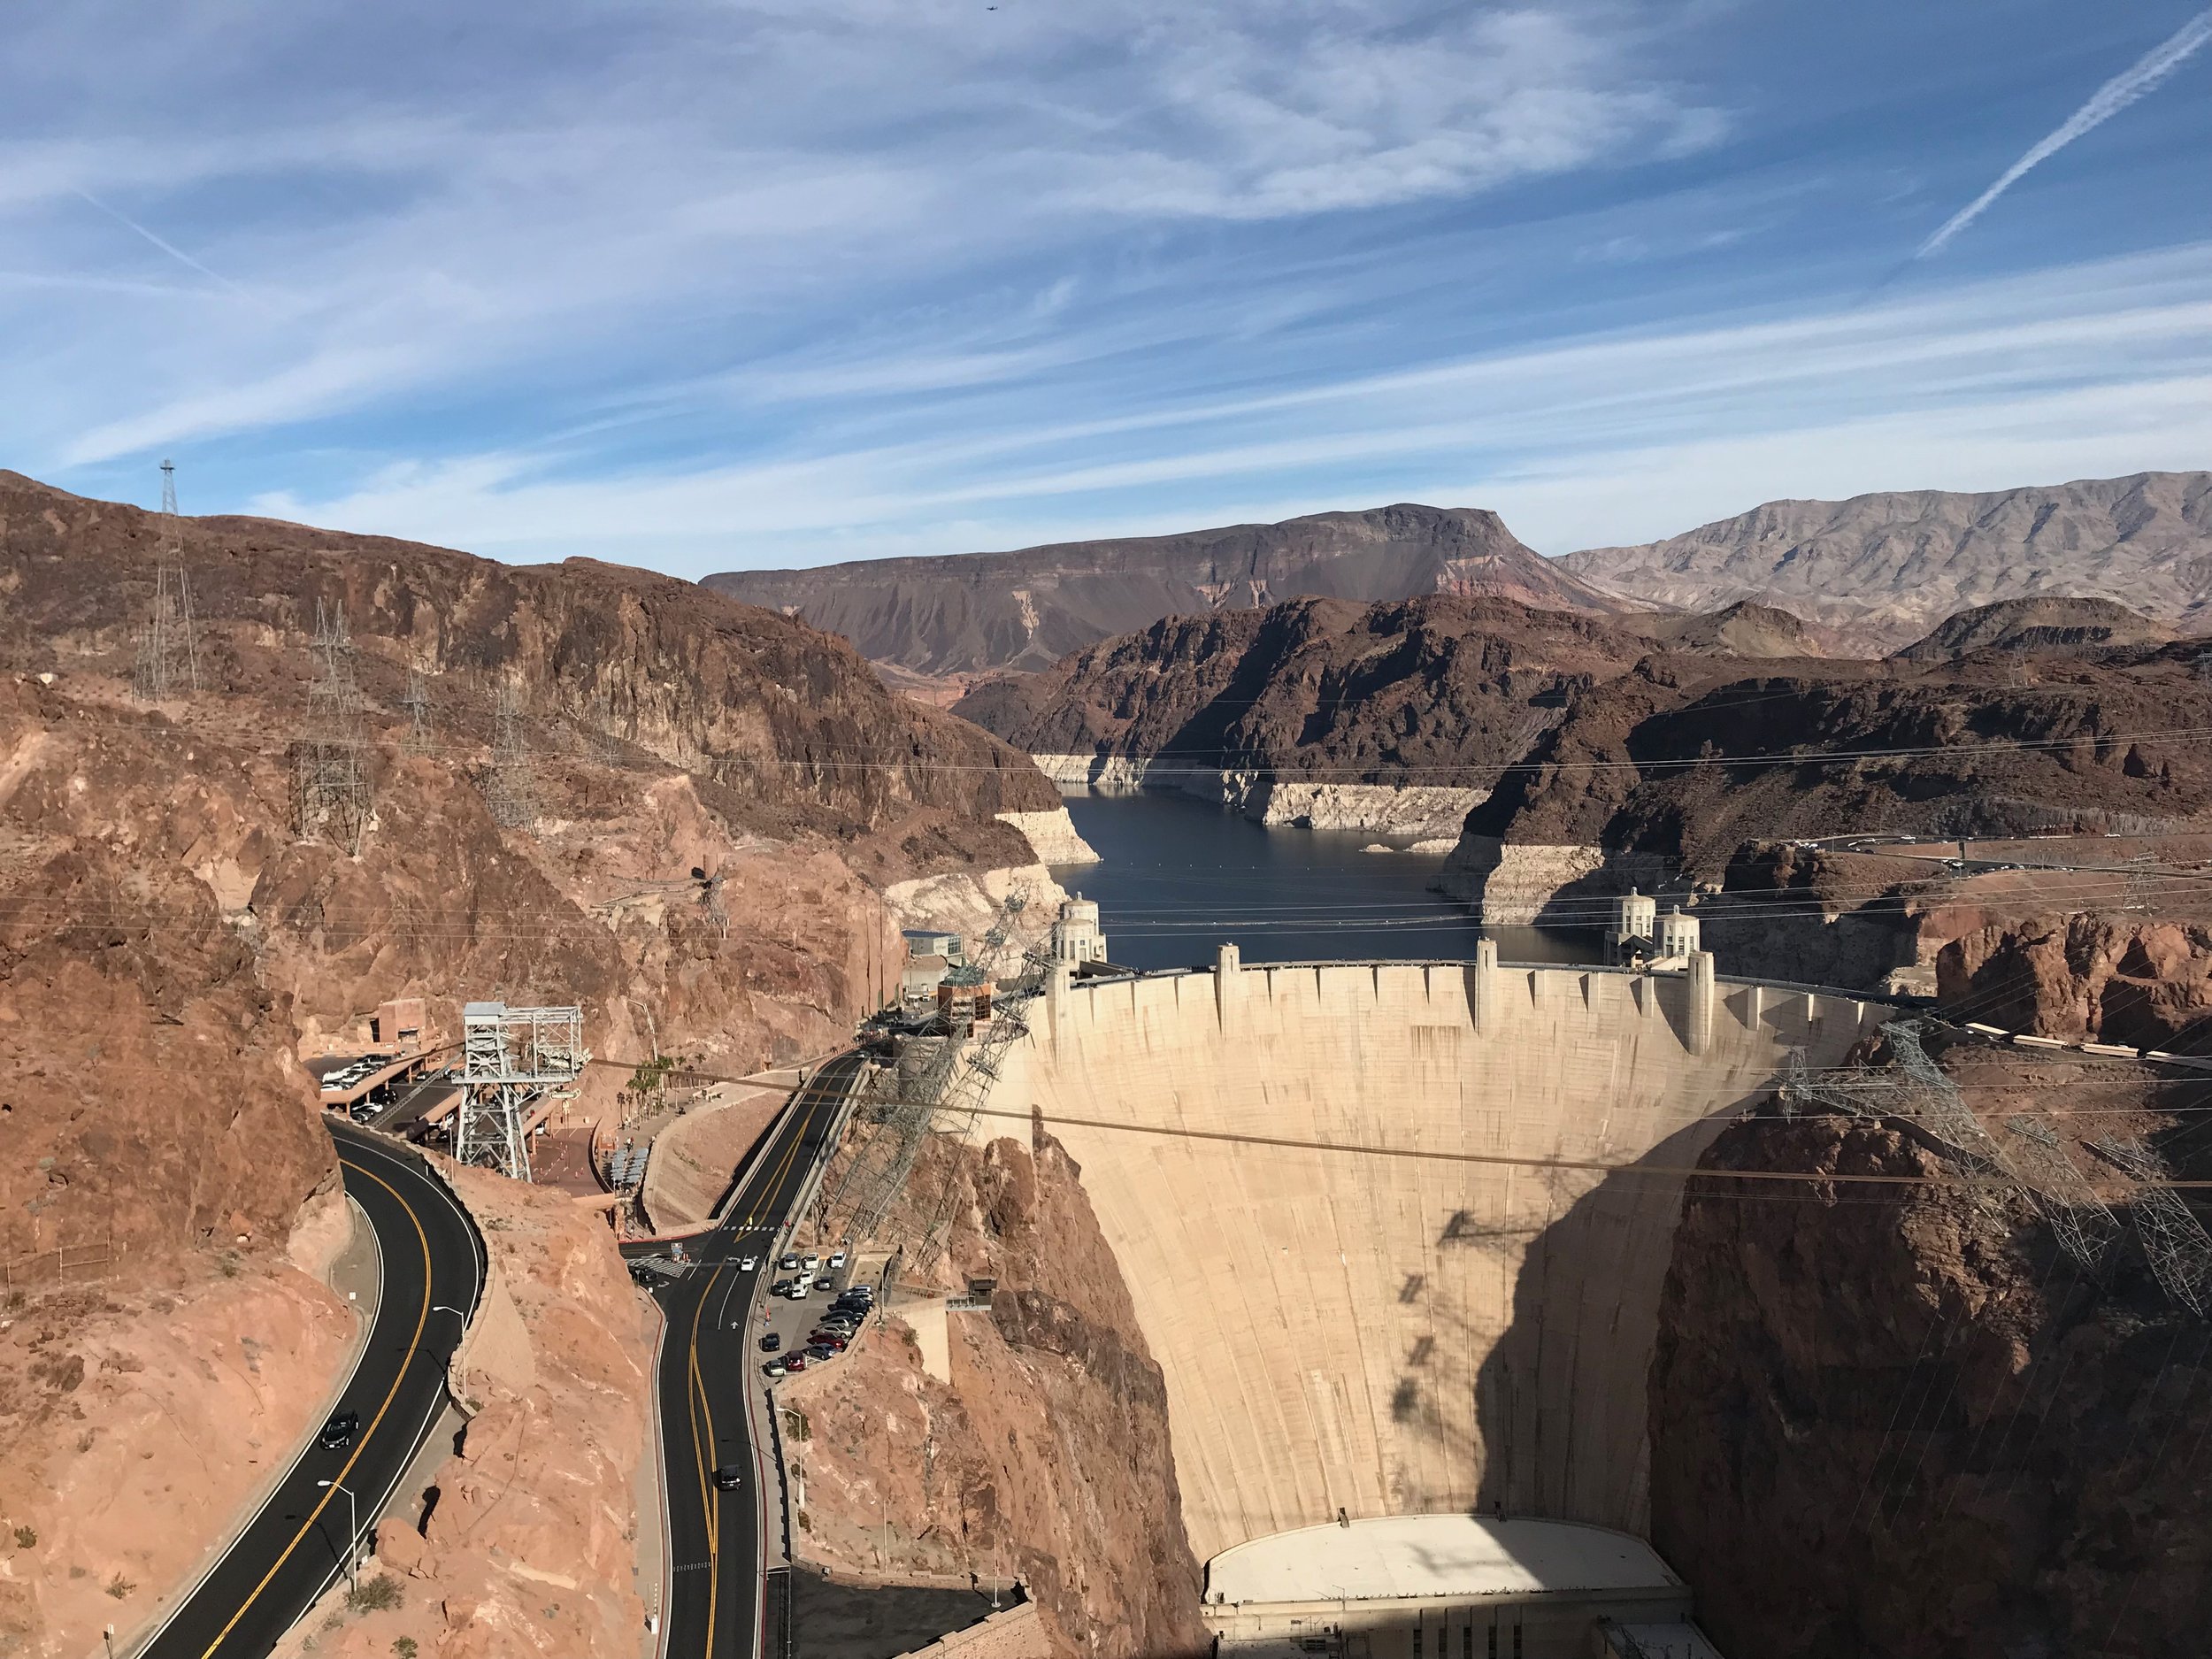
1396,1233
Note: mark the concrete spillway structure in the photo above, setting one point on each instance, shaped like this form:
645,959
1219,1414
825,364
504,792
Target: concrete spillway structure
1347,1203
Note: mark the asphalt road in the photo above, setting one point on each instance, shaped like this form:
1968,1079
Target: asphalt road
295,1549
715,1610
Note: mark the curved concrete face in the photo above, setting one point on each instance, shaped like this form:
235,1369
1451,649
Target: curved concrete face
1420,1317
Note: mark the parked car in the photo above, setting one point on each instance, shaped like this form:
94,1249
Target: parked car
729,1478
837,1260
811,1261
829,1339
789,1265
782,1287
776,1367
797,1362
339,1431
770,1343
820,1354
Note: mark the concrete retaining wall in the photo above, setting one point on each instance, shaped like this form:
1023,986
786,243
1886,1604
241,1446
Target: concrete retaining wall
1399,1325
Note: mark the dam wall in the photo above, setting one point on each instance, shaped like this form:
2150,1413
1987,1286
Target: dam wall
1348,1203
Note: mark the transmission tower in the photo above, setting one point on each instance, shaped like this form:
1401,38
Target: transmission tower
510,785
947,1084
417,703
330,768
512,1059
168,653
2181,1251
1916,1088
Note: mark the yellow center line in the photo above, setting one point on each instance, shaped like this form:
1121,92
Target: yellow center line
710,1499
361,1445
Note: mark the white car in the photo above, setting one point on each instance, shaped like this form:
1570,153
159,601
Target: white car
810,1262
748,1265
837,1260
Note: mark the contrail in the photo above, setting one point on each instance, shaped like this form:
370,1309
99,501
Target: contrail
2109,100
170,249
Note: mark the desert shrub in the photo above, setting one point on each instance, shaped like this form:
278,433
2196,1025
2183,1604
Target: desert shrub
379,1594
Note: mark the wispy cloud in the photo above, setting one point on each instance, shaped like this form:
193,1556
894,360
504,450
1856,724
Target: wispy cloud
712,282
2108,101
2079,369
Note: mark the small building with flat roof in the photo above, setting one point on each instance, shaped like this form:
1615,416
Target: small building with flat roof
1438,1587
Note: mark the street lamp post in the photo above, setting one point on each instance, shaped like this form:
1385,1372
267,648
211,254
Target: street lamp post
353,1536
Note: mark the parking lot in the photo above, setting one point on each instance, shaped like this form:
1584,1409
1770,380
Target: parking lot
792,1321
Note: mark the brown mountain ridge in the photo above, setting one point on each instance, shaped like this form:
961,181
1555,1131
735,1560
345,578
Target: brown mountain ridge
1026,609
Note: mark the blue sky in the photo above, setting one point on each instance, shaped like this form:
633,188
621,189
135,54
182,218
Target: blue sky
707,286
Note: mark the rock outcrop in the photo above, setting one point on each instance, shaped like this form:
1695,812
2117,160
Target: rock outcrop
1881,570
2036,625
1028,609
1045,1456
1319,710
1887,1420
2091,976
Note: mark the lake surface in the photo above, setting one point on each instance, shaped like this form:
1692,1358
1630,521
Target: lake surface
1181,878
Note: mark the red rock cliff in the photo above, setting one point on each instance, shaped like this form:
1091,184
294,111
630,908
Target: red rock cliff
1887,1421
1046,1454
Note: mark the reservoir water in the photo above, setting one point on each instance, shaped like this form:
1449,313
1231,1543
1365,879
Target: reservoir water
1181,877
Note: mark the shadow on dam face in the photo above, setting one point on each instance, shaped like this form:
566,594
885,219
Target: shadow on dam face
1396,1233
1560,1398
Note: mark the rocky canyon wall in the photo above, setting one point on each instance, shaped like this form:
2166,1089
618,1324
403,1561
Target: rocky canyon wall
1040,1450
1891,1420
174,937
2146,984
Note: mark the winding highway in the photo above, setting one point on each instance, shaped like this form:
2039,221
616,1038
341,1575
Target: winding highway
295,1549
717,1607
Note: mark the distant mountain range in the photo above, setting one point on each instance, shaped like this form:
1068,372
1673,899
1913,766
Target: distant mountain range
976,611
1880,570
1869,574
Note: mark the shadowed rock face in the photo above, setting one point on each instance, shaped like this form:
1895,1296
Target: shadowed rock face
1343,690
1889,1423
1026,609
1885,568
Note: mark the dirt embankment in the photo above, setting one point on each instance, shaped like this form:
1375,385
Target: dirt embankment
1886,1420
1044,1455
159,1357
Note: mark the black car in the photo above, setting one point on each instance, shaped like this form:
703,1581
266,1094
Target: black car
339,1431
770,1343
728,1477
